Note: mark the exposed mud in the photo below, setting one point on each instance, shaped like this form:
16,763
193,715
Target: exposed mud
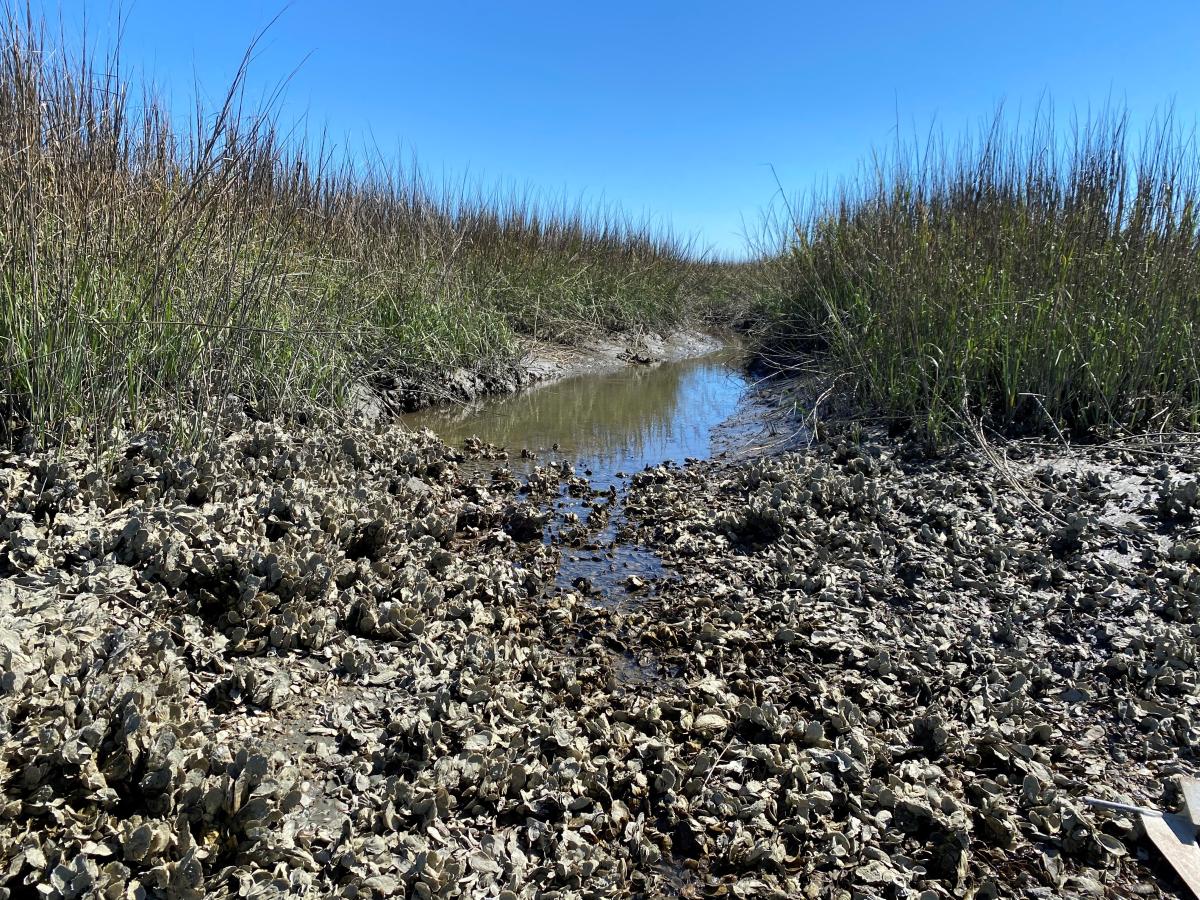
345,665
395,390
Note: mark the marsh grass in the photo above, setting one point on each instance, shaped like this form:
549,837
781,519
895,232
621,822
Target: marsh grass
1026,277
152,268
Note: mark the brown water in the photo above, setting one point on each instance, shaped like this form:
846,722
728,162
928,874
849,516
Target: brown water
609,426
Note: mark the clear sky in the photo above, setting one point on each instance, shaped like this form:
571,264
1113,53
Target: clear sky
670,109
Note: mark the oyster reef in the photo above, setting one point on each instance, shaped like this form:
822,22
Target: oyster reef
308,663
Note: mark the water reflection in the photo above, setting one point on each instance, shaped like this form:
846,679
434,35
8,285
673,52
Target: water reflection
620,421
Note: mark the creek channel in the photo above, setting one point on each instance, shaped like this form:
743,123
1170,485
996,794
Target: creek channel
603,428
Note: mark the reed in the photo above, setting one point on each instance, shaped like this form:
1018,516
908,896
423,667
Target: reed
1026,277
153,268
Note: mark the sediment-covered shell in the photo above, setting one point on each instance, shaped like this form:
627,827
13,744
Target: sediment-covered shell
306,663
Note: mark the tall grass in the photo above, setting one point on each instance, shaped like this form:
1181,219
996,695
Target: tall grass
150,266
1026,276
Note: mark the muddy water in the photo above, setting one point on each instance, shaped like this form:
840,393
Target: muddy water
609,427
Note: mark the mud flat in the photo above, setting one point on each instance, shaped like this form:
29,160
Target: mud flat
323,664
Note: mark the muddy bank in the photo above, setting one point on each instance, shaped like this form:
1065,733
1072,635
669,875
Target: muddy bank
340,665
394,390
549,362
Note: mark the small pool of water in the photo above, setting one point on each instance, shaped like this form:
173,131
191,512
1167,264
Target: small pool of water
615,421
609,426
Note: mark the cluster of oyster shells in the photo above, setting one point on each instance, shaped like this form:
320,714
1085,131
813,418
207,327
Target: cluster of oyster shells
911,673
308,663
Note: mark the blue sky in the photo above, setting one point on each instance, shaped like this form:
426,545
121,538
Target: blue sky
669,109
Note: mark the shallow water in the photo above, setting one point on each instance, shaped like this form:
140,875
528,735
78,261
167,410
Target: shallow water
609,426
615,421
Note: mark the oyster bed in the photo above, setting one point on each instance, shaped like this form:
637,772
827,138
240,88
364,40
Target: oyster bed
327,664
